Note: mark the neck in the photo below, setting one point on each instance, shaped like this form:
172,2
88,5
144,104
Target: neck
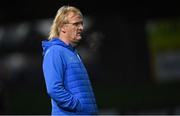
64,40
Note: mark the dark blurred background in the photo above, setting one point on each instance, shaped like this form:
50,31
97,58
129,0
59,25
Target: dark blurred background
131,50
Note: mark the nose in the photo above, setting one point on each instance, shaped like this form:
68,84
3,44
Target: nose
81,27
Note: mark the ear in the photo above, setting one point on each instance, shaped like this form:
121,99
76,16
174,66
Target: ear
63,29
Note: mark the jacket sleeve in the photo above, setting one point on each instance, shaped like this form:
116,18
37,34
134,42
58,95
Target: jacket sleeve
53,70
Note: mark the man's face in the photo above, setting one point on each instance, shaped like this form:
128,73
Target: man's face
74,28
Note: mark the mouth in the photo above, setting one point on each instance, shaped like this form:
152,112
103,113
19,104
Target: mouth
79,33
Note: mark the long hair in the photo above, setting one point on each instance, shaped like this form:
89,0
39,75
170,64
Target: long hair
60,19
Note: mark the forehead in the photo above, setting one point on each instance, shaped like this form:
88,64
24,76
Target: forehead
74,16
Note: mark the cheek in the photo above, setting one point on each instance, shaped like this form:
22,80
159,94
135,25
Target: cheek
73,33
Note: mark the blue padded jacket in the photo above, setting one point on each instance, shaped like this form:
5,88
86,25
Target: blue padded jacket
67,80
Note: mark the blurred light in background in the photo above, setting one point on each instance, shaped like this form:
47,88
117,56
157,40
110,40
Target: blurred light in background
43,26
164,44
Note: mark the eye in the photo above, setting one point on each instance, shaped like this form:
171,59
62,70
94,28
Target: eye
78,23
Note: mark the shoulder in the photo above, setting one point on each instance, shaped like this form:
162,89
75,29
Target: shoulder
54,50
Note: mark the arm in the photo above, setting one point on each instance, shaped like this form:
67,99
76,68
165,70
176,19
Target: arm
53,72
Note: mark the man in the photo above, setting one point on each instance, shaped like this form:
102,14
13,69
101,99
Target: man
66,78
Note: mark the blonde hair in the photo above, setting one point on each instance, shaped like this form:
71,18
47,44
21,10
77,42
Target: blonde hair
60,19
